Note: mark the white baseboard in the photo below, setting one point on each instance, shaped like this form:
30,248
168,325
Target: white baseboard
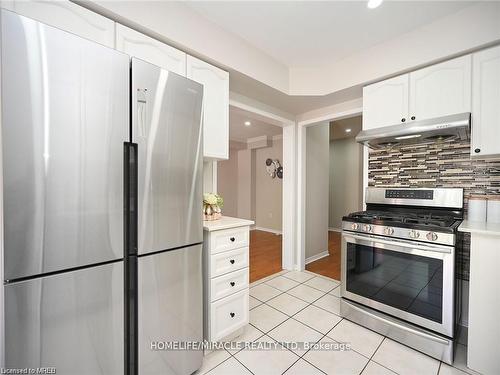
317,256
278,232
334,230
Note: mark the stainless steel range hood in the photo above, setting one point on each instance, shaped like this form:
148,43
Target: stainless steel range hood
425,131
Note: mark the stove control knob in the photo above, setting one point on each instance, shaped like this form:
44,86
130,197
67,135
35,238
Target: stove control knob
388,231
367,228
354,226
414,234
431,236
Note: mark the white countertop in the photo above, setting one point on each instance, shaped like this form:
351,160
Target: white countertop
492,229
226,222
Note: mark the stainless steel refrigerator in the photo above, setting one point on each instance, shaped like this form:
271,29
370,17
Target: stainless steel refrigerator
101,206
166,127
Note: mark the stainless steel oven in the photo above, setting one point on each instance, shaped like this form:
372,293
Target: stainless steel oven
409,280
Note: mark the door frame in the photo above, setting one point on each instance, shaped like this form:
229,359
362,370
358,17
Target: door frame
288,244
301,174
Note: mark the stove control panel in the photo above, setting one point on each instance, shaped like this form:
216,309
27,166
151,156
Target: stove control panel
409,194
390,232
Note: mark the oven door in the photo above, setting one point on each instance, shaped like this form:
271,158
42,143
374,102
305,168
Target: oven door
409,280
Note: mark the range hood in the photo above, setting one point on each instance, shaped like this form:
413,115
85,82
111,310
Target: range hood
425,131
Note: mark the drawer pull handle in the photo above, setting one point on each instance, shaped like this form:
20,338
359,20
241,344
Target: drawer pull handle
232,314
232,283
232,239
231,261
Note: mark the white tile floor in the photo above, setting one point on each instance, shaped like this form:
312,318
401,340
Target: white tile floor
304,307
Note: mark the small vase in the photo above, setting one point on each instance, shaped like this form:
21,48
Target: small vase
211,212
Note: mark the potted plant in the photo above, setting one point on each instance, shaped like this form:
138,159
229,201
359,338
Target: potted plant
212,204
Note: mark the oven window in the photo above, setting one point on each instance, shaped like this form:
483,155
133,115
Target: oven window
407,282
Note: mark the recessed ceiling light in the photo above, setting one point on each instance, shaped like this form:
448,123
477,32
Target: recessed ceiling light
248,123
348,130
372,4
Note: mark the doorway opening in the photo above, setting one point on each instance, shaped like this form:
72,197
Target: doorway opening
334,188
251,184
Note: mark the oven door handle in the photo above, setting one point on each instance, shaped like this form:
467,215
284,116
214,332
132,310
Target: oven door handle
409,245
400,326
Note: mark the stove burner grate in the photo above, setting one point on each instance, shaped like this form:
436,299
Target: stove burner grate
409,218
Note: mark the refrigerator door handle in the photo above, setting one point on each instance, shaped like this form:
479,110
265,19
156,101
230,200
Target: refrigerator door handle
130,197
142,111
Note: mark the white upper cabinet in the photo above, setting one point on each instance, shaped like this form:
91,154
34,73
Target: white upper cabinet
441,89
215,107
151,50
438,90
385,103
67,16
486,103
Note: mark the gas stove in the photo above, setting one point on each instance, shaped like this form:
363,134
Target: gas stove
426,215
398,266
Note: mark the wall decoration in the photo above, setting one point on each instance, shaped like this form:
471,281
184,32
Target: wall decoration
440,164
274,168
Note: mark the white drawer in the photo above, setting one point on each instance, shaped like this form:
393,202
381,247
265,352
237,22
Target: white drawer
230,283
228,261
228,239
228,315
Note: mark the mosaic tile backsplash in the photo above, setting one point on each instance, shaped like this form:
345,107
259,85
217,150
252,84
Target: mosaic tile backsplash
444,164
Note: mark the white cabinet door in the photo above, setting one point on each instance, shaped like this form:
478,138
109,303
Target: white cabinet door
67,16
385,103
151,50
441,89
484,303
486,103
215,107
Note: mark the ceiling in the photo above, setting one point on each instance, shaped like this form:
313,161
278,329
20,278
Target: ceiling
240,133
338,128
314,33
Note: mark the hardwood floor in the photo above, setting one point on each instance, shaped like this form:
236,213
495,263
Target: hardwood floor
329,266
265,254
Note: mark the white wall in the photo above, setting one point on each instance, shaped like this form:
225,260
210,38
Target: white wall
325,113
227,183
209,177
248,190
269,191
246,184
317,183
346,179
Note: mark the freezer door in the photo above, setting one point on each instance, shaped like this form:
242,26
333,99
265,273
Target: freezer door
65,104
72,321
170,308
166,125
